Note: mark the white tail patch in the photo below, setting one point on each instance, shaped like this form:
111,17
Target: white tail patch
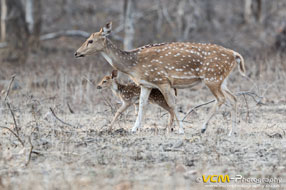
238,60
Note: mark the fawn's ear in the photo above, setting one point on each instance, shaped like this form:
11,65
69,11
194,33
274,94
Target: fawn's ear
105,31
114,74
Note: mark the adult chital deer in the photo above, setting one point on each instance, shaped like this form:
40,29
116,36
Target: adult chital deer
170,65
129,95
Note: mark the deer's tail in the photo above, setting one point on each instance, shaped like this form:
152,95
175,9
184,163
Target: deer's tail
240,61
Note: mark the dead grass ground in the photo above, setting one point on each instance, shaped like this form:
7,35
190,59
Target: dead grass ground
86,156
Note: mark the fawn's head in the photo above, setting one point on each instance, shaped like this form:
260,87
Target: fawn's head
106,82
95,43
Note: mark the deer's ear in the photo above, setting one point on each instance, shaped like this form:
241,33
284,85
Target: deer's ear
114,74
107,29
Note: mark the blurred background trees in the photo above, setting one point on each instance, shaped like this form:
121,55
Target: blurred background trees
250,26
20,29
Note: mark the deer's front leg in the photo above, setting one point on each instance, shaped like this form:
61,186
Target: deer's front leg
144,95
123,107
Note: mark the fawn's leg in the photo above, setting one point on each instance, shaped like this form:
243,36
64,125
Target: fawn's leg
171,119
122,108
167,91
144,95
165,106
220,99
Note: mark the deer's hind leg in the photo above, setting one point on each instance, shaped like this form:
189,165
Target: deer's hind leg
231,97
220,99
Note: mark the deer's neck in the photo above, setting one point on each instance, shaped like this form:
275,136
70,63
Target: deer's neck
119,59
116,87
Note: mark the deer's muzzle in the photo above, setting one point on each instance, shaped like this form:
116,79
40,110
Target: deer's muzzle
78,55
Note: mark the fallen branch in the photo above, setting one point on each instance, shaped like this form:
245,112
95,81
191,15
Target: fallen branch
65,123
17,136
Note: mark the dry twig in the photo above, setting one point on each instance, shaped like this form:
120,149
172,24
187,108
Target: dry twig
9,87
65,123
17,136
251,94
13,116
247,114
191,110
70,109
31,151
8,104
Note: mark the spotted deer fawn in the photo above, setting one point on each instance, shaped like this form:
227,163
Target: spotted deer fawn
171,65
129,95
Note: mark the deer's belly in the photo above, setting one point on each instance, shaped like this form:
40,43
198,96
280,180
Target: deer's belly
185,83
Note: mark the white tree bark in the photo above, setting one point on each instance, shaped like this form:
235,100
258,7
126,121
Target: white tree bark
247,10
17,34
128,24
180,20
3,19
33,19
29,14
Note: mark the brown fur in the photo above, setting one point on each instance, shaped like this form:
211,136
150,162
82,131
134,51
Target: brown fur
129,94
170,65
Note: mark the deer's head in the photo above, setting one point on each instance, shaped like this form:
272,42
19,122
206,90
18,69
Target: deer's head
106,82
95,43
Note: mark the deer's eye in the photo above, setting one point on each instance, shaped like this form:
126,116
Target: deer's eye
104,82
90,41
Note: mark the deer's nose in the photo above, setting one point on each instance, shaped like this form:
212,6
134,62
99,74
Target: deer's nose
75,54
99,87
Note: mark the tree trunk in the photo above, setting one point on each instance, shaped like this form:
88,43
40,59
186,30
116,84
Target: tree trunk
33,19
128,24
247,10
17,34
3,18
258,10
252,8
180,20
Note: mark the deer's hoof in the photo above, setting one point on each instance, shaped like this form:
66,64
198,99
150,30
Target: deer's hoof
133,131
181,131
